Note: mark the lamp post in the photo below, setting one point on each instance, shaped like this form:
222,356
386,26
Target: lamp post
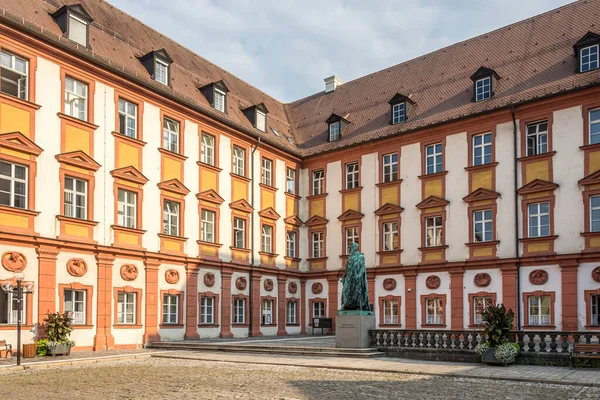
9,287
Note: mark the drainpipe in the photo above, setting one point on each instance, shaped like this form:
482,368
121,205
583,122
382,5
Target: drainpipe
516,175
251,234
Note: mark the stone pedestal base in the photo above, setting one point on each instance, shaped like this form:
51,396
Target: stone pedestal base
352,329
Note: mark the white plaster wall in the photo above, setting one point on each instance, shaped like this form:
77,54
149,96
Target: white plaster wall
152,208
568,169
217,288
584,282
240,332
444,288
333,180
280,207
554,284
303,211
171,333
191,181
410,229
256,204
104,154
225,228
129,336
294,330
398,291
270,330
369,200
457,186
469,287
505,185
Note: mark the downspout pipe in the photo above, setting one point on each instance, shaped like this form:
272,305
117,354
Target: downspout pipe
251,235
516,187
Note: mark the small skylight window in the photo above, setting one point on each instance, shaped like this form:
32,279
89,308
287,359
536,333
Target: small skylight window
275,133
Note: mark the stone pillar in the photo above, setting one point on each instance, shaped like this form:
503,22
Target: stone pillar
303,306
46,284
281,309
456,299
509,289
569,296
410,295
332,307
256,306
104,340
371,287
191,301
152,302
226,303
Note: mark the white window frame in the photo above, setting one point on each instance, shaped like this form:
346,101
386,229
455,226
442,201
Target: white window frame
352,175
267,312
239,310
267,239
170,301
594,309
207,310
390,167
125,117
389,316
398,113
482,144
539,319
12,313
70,30
318,244
127,208
594,137
539,137
239,229
171,135
71,196
208,226
436,318
589,65
291,180
160,66
482,219
435,157
334,131
171,221
13,182
391,237
72,98
483,88
291,244
535,216
261,121
207,149
219,101
434,231
22,83
266,175
291,312
122,313
318,182
318,309
239,161
351,236
484,302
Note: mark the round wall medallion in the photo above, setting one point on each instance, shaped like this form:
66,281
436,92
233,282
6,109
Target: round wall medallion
129,272
538,277
13,261
389,284
292,287
596,274
172,276
268,285
317,288
433,282
209,279
482,279
241,283
77,267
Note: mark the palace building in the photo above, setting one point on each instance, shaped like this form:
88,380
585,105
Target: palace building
155,196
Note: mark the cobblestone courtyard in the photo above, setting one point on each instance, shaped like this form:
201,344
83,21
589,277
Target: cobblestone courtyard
155,378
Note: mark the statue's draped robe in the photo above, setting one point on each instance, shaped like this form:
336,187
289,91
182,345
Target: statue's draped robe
355,293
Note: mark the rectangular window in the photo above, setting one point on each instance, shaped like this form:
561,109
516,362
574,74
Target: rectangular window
161,72
291,312
170,308
434,311
318,182
539,219
594,126
126,308
171,135
207,150
219,100
207,310
390,312
13,185
483,89
537,138
261,121
75,198
239,161
239,233
351,176
390,167
318,309
390,236
128,118
482,149
479,306
76,94
126,212
208,226
539,310
171,218
291,244
351,235
482,226
433,231
433,158
588,58
291,180
266,174
9,308
77,30
595,310
398,113
594,213
267,239
267,312
334,131
318,241
14,72
74,304
239,311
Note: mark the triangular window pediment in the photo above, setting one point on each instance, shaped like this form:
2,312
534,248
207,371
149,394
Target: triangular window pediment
399,98
481,194
337,117
350,214
483,72
433,201
269,213
389,208
241,205
19,142
129,173
316,220
293,220
211,196
79,159
591,179
537,185
175,186
588,39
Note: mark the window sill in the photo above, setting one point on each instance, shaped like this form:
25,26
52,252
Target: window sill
241,177
18,100
592,327
432,176
293,195
76,220
390,325
434,325
590,146
171,237
351,190
208,325
389,183
482,166
317,259
171,153
130,230
211,244
268,325
292,259
482,244
537,156
240,249
86,124
287,324
126,326
539,327
538,239
268,187
442,247
171,326
240,325
19,210
263,253
85,326
7,327
316,196
389,252
208,166
135,141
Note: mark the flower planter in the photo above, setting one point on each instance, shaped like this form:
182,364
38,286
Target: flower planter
490,358
61,349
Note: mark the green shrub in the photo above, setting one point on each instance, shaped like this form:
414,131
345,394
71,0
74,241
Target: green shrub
58,327
42,347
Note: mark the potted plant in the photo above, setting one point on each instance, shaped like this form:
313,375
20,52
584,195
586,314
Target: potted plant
58,328
498,324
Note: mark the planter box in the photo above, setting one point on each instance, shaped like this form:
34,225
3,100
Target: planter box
490,358
62,349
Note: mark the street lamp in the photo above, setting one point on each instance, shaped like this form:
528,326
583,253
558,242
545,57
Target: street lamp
19,290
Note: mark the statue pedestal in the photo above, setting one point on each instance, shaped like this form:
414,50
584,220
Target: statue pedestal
352,328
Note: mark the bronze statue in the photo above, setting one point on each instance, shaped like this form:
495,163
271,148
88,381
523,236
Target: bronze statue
355,294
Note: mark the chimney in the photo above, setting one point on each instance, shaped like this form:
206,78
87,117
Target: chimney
332,83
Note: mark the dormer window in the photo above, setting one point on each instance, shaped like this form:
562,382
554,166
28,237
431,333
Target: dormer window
261,121
257,115
484,83
74,22
219,100
158,64
334,131
336,125
216,95
398,113
161,72
586,50
401,105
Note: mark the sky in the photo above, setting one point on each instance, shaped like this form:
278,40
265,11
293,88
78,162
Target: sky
287,47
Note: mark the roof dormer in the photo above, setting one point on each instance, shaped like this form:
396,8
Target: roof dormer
401,105
336,125
216,94
158,64
586,51
257,115
74,22
484,83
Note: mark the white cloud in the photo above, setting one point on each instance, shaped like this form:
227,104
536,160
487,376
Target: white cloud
286,48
